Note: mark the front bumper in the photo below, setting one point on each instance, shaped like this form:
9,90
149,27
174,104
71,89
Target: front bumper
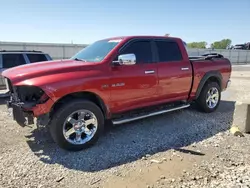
25,116
21,116
25,112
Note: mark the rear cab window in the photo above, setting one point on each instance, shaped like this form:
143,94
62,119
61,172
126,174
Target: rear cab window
36,57
168,51
12,60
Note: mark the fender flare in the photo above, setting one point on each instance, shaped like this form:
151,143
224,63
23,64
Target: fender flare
205,78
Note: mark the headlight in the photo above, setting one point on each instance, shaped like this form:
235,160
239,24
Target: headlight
31,94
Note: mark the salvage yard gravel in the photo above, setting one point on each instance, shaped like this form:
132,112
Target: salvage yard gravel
185,148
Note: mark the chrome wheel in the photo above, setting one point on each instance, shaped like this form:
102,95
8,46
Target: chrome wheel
212,98
80,127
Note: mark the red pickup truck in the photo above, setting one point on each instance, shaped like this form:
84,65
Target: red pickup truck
120,79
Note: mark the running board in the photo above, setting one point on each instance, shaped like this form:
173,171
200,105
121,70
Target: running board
121,121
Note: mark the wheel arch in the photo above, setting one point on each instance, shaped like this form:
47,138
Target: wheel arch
93,97
211,76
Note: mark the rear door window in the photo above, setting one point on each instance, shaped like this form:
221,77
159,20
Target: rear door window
36,57
168,51
12,60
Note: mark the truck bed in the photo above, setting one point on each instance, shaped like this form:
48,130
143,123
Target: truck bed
202,65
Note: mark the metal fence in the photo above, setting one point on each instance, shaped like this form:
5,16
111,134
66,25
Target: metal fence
56,51
64,51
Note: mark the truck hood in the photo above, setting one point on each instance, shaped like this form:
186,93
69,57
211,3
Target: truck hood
33,70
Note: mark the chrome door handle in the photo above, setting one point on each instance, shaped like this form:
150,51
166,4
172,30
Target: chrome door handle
184,68
149,72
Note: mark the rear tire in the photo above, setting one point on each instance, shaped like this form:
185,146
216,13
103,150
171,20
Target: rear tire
77,125
209,98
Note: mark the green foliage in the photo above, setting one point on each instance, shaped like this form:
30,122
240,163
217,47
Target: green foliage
197,44
223,44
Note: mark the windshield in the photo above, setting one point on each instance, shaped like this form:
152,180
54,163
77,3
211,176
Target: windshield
97,51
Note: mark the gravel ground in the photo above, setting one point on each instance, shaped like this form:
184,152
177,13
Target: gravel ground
227,167
181,149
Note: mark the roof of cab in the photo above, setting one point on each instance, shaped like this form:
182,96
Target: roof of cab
140,36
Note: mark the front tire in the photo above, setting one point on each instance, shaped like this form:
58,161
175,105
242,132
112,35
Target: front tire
209,98
77,125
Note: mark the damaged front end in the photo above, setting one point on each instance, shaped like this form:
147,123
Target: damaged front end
27,102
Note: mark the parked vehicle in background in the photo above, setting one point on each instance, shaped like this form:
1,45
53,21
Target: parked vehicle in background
245,46
239,47
9,59
119,79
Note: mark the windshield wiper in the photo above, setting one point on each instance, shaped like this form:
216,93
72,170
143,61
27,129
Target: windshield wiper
77,59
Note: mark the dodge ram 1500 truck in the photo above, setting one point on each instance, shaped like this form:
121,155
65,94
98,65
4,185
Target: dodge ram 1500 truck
118,79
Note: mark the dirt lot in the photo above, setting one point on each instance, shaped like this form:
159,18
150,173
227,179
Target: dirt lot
180,149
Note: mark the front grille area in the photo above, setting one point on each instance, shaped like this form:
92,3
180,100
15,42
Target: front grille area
25,94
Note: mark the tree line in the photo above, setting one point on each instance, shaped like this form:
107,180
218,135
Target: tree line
222,44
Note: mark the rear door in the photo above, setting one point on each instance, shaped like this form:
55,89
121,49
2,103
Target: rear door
174,71
134,86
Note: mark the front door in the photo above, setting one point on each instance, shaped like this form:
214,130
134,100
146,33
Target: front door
134,86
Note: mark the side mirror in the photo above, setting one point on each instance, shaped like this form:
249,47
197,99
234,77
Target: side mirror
126,59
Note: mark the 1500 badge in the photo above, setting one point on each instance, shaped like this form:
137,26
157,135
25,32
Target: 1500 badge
118,85
113,85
